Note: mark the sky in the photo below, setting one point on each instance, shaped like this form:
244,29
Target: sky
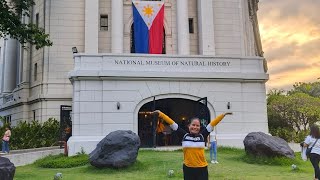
290,35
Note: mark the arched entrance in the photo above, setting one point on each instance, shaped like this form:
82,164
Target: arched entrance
180,110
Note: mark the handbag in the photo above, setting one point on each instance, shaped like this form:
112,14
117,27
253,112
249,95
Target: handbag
6,138
308,151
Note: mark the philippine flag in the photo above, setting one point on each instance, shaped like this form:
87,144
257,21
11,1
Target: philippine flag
148,26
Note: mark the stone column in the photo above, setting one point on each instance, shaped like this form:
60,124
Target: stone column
10,65
183,27
206,27
91,26
117,26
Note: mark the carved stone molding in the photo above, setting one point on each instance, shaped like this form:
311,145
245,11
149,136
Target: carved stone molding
253,8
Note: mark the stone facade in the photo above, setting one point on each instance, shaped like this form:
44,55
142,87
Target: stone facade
223,29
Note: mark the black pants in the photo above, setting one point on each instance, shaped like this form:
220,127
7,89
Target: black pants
315,158
195,173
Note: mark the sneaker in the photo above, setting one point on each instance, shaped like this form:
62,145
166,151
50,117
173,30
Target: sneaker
213,162
216,162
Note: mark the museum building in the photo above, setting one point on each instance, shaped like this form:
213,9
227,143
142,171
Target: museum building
210,61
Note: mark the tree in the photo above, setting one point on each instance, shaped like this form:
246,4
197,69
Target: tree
312,88
278,126
11,12
273,94
294,112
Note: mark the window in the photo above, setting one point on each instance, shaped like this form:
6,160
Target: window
35,71
34,115
191,27
132,45
37,19
104,22
7,119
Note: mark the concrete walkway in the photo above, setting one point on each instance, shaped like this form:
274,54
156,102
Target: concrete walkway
29,156
295,147
163,148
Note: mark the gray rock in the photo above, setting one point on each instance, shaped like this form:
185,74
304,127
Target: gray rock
261,144
7,169
118,149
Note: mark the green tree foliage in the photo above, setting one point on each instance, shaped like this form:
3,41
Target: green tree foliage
11,12
273,94
291,115
34,134
312,88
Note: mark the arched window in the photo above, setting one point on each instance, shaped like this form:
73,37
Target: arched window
132,46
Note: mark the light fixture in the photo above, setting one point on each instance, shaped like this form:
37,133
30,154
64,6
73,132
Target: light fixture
228,105
74,50
118,105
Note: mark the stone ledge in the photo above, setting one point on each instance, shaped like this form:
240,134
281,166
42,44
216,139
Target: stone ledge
29,156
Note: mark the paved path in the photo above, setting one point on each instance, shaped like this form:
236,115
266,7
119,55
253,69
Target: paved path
295,147
28,156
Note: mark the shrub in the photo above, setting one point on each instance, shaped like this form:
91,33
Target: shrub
286,134
34,134
300,137
61,161
289,135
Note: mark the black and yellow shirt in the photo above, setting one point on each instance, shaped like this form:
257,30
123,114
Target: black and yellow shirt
193,147
193,144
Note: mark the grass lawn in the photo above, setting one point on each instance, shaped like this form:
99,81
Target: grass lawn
155,165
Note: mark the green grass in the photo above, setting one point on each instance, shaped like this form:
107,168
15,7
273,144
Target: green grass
234,164
61,161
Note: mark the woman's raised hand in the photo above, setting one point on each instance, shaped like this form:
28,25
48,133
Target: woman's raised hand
156,112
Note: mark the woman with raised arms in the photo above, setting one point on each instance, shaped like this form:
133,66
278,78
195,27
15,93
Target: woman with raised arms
193,144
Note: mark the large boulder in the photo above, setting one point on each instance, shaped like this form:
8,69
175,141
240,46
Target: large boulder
7,169
261,144
118,149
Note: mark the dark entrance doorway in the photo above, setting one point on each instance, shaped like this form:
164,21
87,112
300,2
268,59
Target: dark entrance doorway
65,121
180,110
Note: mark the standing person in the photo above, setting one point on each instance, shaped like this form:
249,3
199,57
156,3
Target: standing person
167,135
314,142
212,139
5,141
195,166
68,132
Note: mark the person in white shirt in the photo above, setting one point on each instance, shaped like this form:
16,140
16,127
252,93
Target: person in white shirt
312,141
212,139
